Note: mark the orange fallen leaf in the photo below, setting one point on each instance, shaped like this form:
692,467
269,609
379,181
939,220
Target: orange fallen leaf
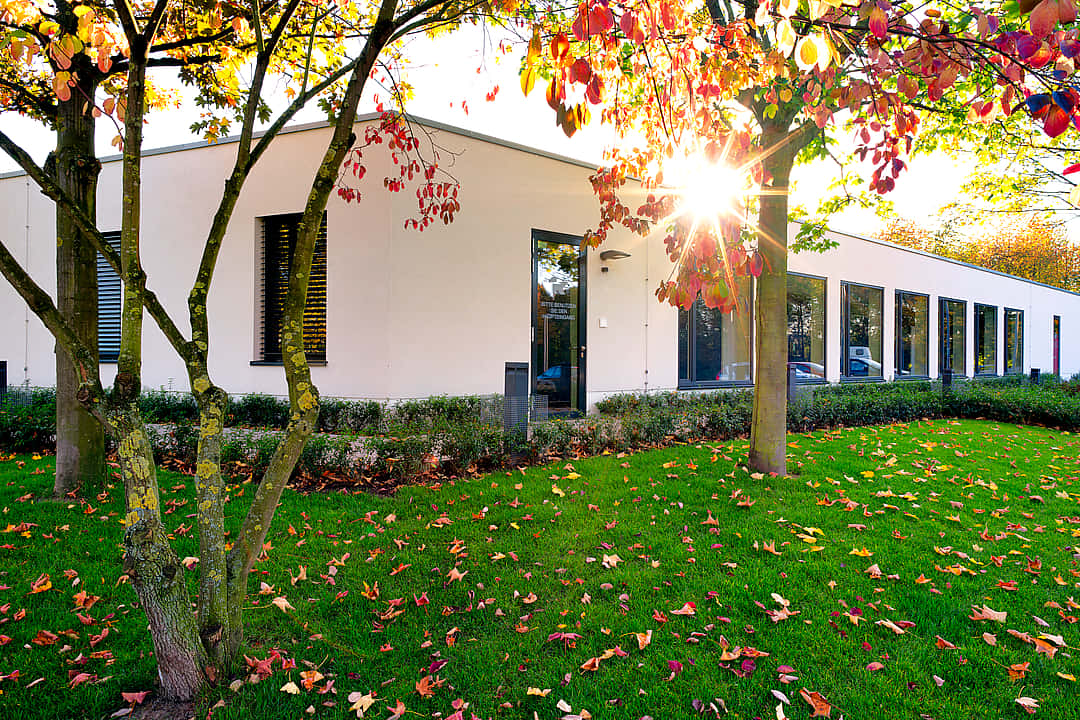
821,706
1017,671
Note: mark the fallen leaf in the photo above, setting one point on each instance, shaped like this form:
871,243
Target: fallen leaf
1029,704
821,706
282,603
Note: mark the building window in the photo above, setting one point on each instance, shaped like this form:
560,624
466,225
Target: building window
278,245
1057,345
985,339
806,327
110,304
714,346
1014,341
861,309
952,339
912,334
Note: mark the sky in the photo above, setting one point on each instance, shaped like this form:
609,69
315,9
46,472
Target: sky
452,81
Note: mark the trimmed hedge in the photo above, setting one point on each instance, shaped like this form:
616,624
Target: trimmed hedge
449,434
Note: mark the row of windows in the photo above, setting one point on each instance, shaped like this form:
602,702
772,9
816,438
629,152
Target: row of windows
714,348
276,250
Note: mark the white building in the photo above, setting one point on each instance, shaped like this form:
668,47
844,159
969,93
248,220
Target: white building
407,314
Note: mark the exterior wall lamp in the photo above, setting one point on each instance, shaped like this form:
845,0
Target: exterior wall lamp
609,255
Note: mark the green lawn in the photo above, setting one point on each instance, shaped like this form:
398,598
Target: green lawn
855,578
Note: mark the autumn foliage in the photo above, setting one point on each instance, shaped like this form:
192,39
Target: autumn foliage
1026,247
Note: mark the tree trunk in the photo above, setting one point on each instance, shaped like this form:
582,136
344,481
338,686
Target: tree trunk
153,567
80,439
768,429
214,616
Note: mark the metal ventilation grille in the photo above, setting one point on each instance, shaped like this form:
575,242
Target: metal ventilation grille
110,299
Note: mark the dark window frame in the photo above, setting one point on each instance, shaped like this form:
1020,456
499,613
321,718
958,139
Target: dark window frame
1055,339
690,384
898,300
110,291
845,308
1005,340
269,322
976,367
941,333
824,329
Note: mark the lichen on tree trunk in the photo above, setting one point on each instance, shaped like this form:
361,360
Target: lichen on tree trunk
151,564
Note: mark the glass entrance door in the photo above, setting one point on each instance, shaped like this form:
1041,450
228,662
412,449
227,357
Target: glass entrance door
558,322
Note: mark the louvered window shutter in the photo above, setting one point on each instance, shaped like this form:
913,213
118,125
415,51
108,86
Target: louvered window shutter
110,294
278,245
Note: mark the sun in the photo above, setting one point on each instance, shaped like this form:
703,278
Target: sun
707,189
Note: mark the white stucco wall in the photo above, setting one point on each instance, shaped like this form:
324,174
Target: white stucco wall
413,314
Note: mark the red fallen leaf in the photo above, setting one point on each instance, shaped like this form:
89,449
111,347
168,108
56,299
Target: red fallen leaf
569,640
875,666
75,678
44,637
675,667
397,710
688,608
4,640
95,639
135,698
591,665
263,668
821,706
659,616
746,668
943,644
1009,585
422,600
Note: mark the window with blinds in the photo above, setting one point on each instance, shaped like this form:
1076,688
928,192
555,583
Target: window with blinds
110,295
278,245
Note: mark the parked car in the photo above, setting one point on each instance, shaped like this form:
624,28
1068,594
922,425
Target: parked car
554,381
861,354
861,368
807,370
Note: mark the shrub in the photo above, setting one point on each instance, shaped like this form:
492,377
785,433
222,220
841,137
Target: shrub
162,406
258,411
28,420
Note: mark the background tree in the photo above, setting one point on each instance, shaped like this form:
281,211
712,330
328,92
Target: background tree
303,43
1024,246
756,85
64,66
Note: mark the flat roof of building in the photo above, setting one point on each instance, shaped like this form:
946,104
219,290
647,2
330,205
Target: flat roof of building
491,139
